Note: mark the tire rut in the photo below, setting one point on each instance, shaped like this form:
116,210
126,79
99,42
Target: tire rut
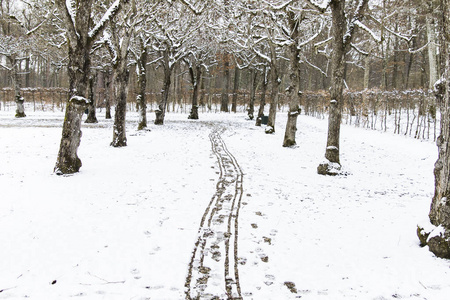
213,270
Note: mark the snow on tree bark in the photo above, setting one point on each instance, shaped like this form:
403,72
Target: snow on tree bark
68,161
342,35
292,92
80,41
437,236
142,83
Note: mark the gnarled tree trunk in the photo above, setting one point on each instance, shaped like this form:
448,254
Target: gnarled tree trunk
437,237
79,71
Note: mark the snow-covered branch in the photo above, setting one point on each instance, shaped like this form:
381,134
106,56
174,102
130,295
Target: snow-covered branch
315,67
367,29
321,6
110,13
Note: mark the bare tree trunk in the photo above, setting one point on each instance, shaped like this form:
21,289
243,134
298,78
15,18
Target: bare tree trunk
142,84
292,92
120,79
17,83
438,238
161,111
262,102
78,71
253,85
235,89
276,81
225,84
108,81
340,45
432,58
195,80
92,118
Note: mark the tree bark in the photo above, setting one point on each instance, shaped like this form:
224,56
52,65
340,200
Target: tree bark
225,84
92,117
342,37
437,237
235,89
161,111
262,102
108,81
78,71
17,83
195,80
292,92
276,81
80,41
142,84
251,106
432,58
120,79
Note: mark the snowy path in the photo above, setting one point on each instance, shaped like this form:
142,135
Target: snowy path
126,226
213,269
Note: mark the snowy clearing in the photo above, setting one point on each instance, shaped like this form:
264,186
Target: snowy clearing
125,227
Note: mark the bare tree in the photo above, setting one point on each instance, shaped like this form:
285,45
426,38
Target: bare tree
437,237
81,33
343,30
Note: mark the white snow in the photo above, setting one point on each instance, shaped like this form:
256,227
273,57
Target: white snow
79,99
124,227
106,17
437,232
367,29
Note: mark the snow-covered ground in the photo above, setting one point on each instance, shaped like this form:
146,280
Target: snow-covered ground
126,225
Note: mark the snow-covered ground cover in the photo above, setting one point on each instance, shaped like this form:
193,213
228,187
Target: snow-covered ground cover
126,225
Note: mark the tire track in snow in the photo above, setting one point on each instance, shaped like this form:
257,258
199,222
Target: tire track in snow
213,269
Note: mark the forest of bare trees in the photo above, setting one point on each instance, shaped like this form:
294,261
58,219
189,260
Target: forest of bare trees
354,61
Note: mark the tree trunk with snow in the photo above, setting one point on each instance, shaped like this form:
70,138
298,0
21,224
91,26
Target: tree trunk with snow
437,236
292,92
80,39
253,85
17,83
262,102
161,111
120,79
235,89
195,80
78,71
91,117
342,36
142,84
